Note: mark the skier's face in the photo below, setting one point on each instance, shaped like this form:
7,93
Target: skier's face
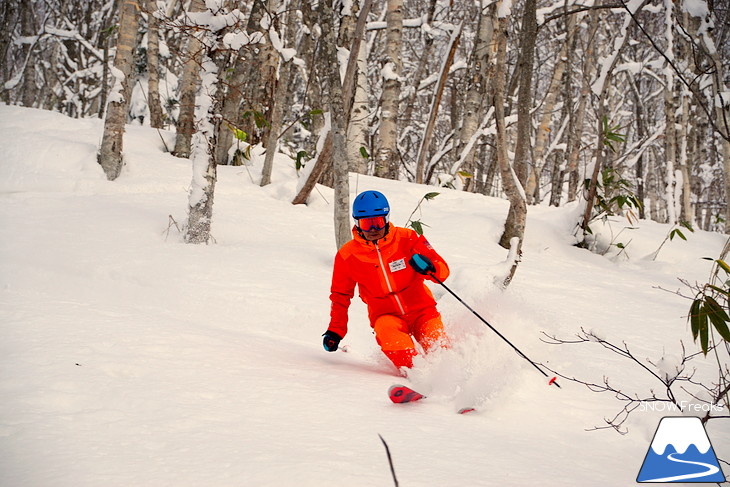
373,228
373,235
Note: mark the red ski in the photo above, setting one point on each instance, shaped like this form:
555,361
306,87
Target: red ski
400,394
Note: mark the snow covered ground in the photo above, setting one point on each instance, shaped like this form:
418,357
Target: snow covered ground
130,358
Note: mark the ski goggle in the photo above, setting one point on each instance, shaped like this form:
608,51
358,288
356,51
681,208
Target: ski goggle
372,223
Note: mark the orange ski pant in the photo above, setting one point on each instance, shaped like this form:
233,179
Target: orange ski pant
395,334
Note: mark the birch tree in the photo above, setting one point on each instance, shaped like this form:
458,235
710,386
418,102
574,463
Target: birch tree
387,158
338,121
282,88
357,127
153,65
525,66
476,94
514,227
423,174
189,86
112,143
541,136
209,30
260,83
670,111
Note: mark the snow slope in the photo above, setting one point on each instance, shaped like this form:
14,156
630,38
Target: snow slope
130,358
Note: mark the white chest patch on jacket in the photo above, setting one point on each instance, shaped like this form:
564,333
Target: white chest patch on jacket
397,265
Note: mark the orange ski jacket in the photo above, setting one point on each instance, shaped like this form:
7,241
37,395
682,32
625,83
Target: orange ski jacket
386,283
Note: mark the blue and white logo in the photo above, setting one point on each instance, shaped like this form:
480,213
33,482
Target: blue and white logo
680,452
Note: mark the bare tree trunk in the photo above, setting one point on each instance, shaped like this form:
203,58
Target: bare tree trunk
188,90
639,114
670,134
652,186
686,214
533,181
524,93
261,80
428,133
105,40
27,28
153,51
560,168
112,143
358,126
514,225
475,96
277,111
418,76
205,172
387,160
338,121
576,137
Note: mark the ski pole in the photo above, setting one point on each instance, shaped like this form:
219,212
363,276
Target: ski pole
552,381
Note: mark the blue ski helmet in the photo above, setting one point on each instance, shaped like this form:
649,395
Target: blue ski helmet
370,203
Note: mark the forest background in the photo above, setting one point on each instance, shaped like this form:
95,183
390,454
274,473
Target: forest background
620,104
619,108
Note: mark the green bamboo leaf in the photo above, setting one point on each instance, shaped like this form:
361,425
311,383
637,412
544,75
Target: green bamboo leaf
418,227
694,318
719,289
716,309
687,225
240,135
301,155
724,265
721,327
430,196
704,331
364,153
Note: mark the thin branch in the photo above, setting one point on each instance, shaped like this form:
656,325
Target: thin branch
390,460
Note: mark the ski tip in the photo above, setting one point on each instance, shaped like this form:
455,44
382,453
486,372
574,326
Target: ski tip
466,410
402,394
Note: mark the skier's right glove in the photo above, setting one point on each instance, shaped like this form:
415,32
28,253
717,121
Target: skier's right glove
331,341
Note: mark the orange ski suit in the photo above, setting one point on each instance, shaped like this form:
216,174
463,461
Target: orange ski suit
400,305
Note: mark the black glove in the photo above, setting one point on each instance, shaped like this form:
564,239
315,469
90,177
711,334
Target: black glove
422,264
331,341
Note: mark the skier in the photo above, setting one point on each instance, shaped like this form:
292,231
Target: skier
389,265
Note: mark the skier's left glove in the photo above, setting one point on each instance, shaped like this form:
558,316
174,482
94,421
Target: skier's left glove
331,341
422,264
